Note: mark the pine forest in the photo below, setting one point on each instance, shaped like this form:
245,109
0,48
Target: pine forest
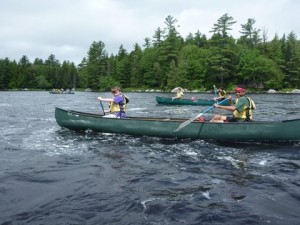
167,60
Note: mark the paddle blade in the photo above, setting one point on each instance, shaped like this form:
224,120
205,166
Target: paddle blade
184,124
215,90
192,119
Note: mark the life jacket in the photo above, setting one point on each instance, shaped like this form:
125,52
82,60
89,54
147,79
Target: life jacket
179,94
115,107
222,94
247,113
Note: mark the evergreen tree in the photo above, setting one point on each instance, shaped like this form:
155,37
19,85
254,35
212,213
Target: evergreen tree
82,74
96,65
150,68
200,40
168,61
169,49
68,75
250,35
191,65
136,78
5,73
223,26
292,61
147,43
40,73
25,78
158,37
122,73
258,71
52,70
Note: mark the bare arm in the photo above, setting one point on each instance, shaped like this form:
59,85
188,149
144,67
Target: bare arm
105,99
231,107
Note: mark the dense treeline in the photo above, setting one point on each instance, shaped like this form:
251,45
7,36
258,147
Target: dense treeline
168,60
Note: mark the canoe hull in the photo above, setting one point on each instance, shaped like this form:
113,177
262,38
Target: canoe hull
169,101
55,92
285,131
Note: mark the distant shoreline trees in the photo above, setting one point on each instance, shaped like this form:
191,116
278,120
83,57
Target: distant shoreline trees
169,60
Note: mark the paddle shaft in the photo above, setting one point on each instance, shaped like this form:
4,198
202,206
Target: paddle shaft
102,107
215,90
184,124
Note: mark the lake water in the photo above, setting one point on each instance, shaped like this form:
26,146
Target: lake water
50,175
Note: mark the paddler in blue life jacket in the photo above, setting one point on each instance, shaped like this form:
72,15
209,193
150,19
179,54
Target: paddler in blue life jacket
117,104
242,108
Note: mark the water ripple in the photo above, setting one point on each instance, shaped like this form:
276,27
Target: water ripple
50,175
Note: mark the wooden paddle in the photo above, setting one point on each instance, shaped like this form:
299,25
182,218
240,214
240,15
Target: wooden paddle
184,124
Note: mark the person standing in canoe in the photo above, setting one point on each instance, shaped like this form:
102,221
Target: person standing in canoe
117,103
242,108
179,94
221,94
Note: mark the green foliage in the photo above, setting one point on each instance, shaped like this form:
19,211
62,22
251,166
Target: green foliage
250,35
42,83
107,82
6,72
191,64
258,71
96,64
150,68
168,60
223,26
136,78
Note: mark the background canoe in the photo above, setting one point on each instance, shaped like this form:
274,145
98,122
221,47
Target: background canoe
284,131
63,92
169,101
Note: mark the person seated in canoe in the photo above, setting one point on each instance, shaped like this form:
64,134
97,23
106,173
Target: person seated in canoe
117,103
242,108
179,94
221,94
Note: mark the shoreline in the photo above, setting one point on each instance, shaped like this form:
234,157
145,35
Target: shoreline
293,92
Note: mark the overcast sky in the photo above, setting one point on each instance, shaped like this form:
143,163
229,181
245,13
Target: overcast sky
67,28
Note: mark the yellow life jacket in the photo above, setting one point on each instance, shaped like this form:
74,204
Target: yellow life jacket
222,94
179,94
247,113
115,107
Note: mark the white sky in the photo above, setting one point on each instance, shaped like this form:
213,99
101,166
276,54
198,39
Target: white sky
67,28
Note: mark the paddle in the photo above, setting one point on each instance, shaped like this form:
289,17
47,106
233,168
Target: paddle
184,124
102,108
215,90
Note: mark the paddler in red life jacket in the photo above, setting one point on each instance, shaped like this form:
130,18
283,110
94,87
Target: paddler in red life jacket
242,108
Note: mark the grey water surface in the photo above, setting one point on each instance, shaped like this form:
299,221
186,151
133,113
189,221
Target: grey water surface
50,175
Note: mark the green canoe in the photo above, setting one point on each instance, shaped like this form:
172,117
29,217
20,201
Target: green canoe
61,92
170,101
282,131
